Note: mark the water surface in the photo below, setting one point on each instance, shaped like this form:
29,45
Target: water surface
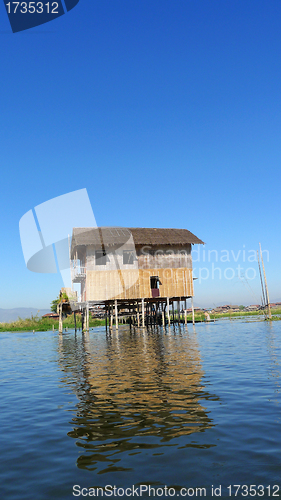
182,407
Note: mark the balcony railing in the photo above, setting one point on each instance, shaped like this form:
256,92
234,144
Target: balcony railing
78,274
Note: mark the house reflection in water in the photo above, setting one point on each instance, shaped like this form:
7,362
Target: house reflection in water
138,390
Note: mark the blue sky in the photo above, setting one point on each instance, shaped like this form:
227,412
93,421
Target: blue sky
168,112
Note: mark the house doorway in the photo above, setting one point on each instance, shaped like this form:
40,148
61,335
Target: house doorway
154,285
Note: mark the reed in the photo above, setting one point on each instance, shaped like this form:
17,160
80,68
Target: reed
45,324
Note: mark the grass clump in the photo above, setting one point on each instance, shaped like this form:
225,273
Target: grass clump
45,324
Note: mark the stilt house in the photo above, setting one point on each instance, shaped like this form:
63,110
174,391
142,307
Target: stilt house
132,264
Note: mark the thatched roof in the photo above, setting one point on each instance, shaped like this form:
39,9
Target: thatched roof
108,236
157,236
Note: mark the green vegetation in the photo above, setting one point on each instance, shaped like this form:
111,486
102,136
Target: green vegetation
45,324
63,297
200,316
54,305
274,318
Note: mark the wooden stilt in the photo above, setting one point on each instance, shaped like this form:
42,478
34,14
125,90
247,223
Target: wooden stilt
163,316
111,316
116,315
88,318
105,318
168,311
142,312
138,314
74,316
192,307
83,319
173,312
60,319
179,312
185,318
130,316
134,317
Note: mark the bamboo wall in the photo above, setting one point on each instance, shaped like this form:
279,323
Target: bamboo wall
164,256
146,257
135,283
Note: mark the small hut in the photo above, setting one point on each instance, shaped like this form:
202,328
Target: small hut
126,267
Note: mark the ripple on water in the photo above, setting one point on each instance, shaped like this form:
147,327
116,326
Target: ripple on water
177,407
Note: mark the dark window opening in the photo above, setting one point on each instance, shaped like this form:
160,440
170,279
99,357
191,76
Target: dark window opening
101,258
154,285
128,257
154,282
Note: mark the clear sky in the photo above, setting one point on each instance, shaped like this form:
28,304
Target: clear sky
168,112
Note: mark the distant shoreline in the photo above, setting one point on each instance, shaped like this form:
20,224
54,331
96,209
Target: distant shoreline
47,324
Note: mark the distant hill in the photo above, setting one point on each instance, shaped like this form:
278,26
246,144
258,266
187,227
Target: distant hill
8,315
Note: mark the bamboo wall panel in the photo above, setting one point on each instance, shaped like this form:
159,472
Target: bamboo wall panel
166,256
135,284
114,259
146,257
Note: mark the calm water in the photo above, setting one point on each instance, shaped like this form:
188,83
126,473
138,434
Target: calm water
184,407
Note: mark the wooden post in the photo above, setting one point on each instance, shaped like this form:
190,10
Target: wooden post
60,318
173,312
185,318
116,315
265,282
146,313
74,316
105,318
134,317
88,318
130,316
192,307
168,311
163,317
83,320
142,312
111,317
262,288
179,313
138,315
